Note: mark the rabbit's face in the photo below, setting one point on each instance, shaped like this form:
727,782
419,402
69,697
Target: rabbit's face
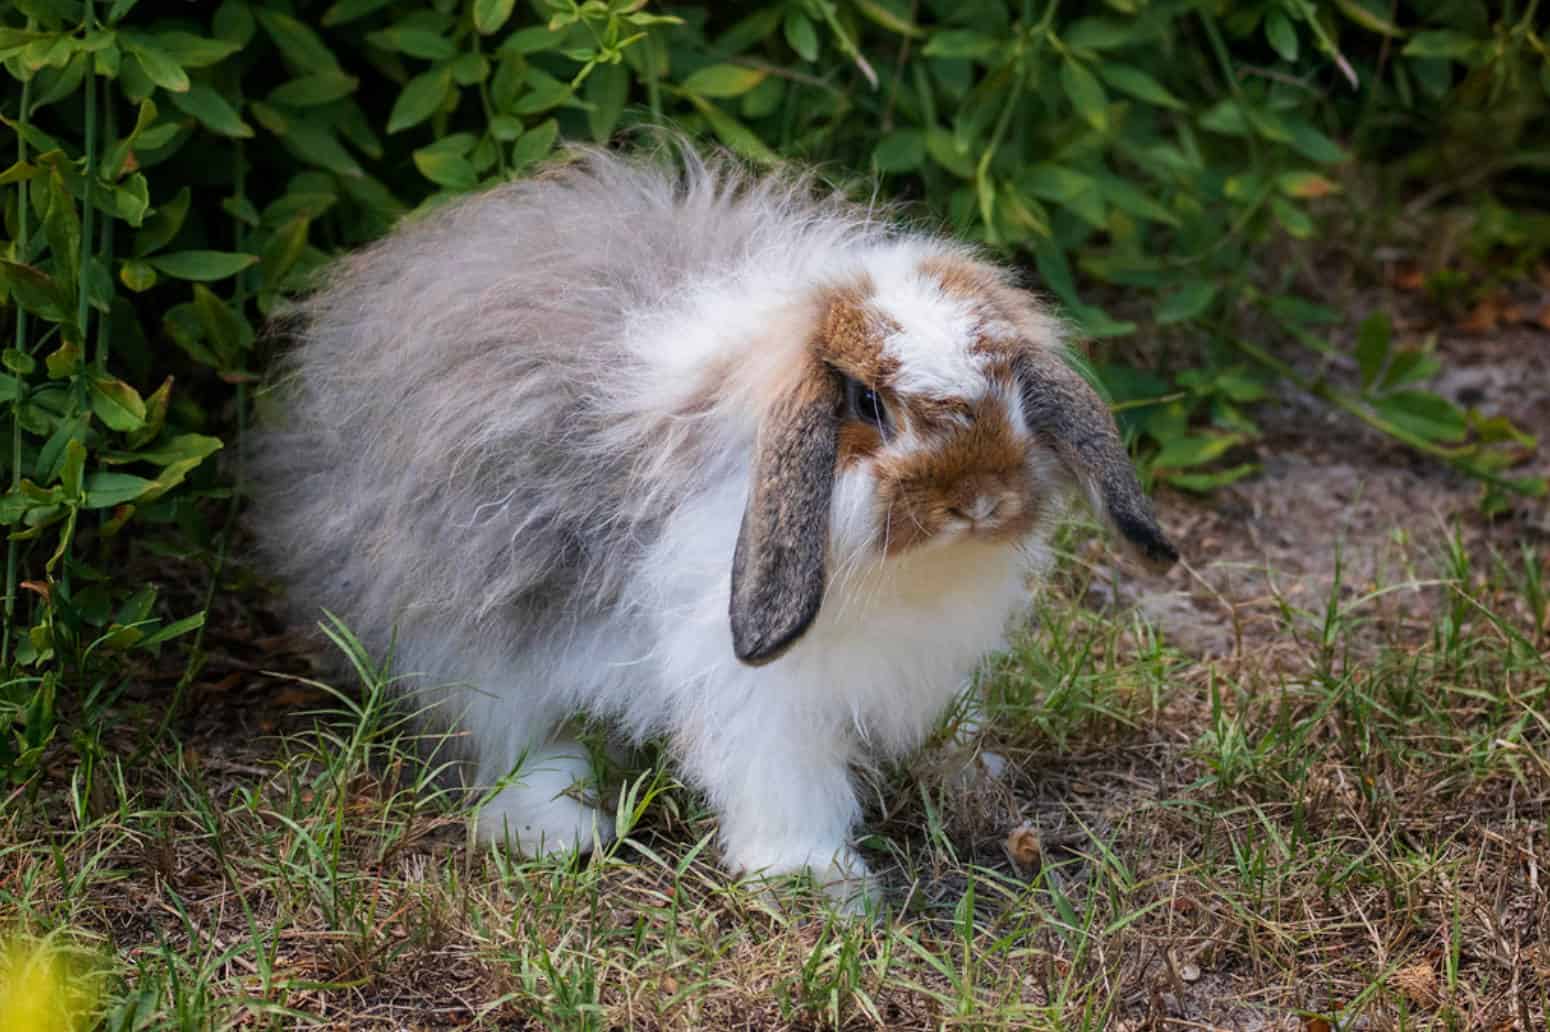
930,407
933,444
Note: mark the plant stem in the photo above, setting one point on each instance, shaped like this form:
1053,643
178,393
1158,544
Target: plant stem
82,307
104,322
12,547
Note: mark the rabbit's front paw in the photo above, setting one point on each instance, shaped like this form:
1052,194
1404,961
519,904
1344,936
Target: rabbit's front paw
840,874
539,813
849,884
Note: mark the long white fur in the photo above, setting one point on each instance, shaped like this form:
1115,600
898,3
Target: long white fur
498,457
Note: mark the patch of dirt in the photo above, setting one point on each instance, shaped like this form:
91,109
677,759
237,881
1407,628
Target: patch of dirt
1334,490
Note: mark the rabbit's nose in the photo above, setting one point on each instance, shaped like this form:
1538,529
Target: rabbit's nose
982,509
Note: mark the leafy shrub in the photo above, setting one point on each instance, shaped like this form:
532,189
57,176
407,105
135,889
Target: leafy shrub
182,167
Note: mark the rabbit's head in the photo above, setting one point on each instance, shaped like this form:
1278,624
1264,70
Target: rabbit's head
929,408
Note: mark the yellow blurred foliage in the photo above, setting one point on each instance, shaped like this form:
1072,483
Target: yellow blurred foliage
40,990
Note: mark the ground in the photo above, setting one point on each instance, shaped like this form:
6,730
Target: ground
1301,782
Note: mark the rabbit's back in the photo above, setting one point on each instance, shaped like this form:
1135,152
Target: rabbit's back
461,437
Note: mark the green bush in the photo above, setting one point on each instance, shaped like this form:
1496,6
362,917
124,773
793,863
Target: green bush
181,167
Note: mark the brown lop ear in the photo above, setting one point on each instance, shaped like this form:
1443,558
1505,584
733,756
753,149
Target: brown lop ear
778,567
1062,407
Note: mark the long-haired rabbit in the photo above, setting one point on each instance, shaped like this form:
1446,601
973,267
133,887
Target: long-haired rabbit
712,456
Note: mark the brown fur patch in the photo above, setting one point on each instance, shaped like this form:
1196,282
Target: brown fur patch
928,415
960,277
981,461
850,336
857,442
1026,322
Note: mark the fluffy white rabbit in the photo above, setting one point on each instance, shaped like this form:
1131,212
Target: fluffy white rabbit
710,455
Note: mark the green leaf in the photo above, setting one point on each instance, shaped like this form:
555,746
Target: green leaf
159,67
1127,197
105,490
1292,218
903,150
531,41
1282,35
1312,143
1204,483
894,21
962,43
62,226
176,629
422,96
117,404
1425,415
943,148
1194,450
544,92
445,169
163,224
535,144
311,90
724,80
202,266
155,416
1055,271
63,361
1086,94
18,362
302,47
137,276
1186,302
192,51
506,128
471,69
73,469
1092,321
223,327
734,134
1136,83
1225,117
1366,14
421,43
36,291
213,110
801,35
19,173
1372,347
1074,190
1407,366
1099,33
349,10
234,22
490,15
283,251
607,90
179,449
319,146
1447,43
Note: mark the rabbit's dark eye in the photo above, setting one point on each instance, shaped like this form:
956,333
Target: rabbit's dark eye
865,405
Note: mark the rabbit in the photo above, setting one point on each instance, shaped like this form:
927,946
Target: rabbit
710,455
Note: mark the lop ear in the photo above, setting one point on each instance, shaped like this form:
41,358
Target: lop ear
778,568
1062,407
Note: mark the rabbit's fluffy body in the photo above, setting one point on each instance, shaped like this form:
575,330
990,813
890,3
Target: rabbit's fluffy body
527,434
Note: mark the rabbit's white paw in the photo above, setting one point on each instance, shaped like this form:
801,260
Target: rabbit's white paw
843,878
850,886
539,812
